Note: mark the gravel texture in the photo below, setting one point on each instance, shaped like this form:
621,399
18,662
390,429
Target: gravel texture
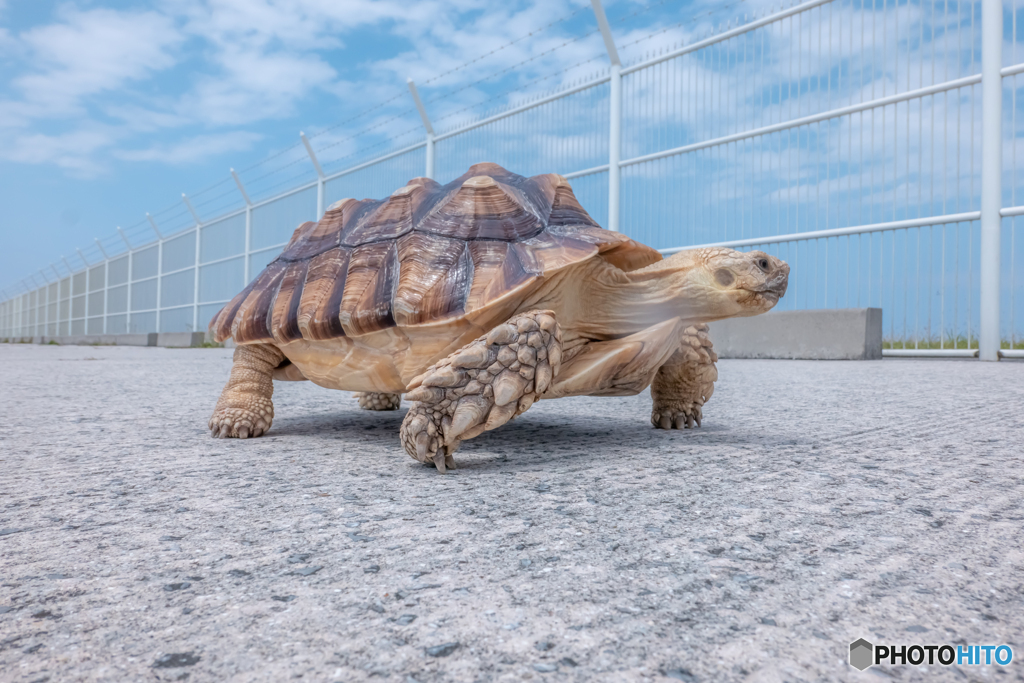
819,503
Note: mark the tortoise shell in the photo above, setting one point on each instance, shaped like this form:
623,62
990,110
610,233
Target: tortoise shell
426,254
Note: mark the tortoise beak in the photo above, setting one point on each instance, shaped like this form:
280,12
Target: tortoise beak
777,280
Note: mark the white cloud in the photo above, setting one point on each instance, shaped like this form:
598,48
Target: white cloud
253,86
72,151
193,149
90,52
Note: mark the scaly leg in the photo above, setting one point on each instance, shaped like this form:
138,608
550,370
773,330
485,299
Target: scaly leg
482,386
245,408
372,400
685,382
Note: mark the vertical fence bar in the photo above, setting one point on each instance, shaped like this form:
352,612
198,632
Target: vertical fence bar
46,313
429,170
614,146
248,203
319,178
128,290
195,284
195,265
159,280
430,156
991,175
159,268
106,281
88,284
615,116
248,240
128,294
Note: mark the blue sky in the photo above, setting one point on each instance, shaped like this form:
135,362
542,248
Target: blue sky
109,110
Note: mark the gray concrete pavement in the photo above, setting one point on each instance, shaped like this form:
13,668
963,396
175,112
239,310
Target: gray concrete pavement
821,502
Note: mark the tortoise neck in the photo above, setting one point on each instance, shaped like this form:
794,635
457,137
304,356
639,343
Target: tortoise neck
611,304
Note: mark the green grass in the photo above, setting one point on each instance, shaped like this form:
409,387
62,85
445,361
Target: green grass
958,342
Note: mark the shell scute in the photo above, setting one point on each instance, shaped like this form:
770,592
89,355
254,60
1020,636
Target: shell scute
252,321
311,239
284,319
369,288
483,208
435,274
553,252
375,221
319,315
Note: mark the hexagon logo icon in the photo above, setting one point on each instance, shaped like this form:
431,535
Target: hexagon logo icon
862,654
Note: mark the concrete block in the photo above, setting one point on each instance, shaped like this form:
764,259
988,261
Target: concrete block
85,340
822,334
179,339
137,339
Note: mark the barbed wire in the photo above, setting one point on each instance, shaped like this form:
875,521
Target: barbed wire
367,130
691,20
449,93
508,44
518,88
382,143
232,190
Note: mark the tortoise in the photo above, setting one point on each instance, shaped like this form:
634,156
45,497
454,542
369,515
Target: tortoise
475,299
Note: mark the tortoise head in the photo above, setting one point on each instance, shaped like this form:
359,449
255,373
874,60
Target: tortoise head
716,283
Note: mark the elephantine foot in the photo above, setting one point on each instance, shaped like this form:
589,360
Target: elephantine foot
676,416
482,386
245,407
242,422
371,400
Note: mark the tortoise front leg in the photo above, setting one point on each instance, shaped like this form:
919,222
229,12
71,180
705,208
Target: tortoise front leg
482,386
685,382
245,408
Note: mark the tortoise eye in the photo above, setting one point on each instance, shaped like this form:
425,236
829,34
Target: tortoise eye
763,264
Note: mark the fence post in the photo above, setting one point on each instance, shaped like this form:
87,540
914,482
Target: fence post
248,205
46,310
615,114
248,241
159,268
195,265
106,280
319,178
88,283
991,175
128,291
429,171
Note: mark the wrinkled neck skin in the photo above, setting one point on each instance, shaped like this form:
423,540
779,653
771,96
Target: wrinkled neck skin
603,302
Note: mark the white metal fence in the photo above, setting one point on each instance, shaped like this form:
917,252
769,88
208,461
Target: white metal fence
870,143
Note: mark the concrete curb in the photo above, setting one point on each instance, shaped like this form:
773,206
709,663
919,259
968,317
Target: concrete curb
824,334
165,339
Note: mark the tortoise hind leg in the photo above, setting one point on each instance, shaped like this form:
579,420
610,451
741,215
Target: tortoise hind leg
685,382
371,400
245,408
482,386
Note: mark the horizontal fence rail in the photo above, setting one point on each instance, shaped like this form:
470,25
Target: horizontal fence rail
865,143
